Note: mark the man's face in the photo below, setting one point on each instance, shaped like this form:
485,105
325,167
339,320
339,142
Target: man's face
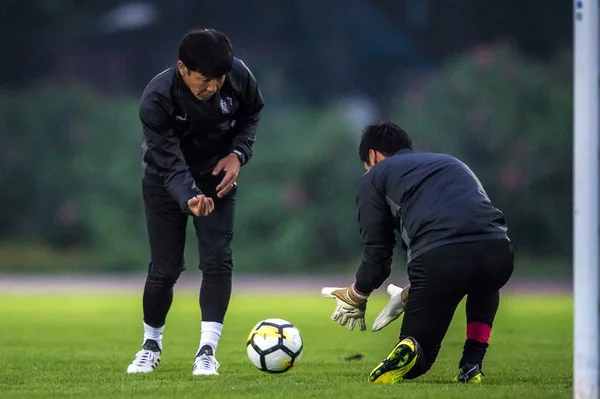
202,86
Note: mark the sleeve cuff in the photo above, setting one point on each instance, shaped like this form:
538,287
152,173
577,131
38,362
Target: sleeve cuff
240,156
357,293
362,289
192,192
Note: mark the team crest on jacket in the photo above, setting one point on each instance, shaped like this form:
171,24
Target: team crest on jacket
226,105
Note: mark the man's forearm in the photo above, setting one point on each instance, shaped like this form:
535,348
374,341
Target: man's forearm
182,187
244,140
371,276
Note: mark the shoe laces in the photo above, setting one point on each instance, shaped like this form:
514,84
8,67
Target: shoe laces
144,357
206,362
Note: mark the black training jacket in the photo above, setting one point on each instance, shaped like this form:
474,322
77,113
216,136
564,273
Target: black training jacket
430,200
184,137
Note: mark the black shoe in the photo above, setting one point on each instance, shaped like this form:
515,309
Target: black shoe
470,373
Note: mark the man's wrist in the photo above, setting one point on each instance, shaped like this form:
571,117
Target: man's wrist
357,295
239,156
362,289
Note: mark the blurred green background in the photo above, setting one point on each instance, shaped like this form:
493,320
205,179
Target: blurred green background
489,82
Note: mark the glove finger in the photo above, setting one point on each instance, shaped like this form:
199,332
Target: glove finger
393,289
343,320
383,320
363,326
380,322
391,311
335,315
328,291
351,323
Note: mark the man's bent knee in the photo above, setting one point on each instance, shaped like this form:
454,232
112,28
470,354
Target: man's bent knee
216,261
164,275
426,359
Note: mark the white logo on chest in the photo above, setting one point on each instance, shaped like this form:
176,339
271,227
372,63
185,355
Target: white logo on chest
226,105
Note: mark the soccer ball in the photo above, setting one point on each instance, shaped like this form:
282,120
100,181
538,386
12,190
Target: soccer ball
274,345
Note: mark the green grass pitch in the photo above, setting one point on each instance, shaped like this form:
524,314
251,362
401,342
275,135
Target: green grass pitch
78,346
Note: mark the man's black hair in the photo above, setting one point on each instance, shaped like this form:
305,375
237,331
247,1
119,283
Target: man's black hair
206,51
385,137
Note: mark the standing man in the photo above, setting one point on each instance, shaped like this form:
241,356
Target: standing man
456,245
199,120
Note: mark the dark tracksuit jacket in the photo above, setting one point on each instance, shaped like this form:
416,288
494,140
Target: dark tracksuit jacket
430,200
184,137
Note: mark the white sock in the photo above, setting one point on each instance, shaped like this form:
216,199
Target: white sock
154,333
210,333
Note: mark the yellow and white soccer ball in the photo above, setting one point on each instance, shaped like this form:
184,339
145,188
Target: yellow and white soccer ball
274,345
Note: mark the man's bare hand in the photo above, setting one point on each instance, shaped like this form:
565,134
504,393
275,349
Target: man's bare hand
231,165
201,205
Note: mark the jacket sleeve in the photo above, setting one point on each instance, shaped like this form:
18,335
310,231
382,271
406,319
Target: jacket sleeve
164,154
250,109
376,227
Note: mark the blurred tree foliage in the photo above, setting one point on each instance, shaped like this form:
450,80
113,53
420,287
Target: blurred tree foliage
118,45
70,169
510,119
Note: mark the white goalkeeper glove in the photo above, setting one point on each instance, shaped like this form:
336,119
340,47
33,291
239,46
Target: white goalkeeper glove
394,308
351,306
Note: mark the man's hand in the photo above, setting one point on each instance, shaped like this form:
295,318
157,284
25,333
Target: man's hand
201,205
394,308
231,165
351,306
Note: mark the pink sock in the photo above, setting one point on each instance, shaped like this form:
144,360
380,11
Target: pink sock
479,332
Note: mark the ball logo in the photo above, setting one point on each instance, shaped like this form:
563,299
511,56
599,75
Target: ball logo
266,331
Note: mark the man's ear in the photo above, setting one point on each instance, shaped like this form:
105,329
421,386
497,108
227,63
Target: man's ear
182,68
375,157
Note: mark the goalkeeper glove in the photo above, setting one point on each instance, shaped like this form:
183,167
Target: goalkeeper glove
351,306
394,308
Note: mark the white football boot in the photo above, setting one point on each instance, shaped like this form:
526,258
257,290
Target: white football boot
205,362
147,359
